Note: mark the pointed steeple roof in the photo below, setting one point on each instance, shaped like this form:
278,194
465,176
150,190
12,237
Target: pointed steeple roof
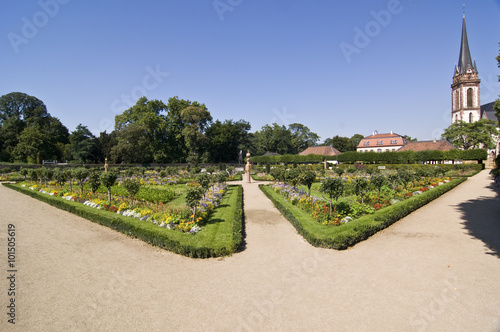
464,59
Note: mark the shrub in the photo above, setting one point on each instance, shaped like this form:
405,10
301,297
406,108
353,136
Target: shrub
132,186
333,187
108,180
94,181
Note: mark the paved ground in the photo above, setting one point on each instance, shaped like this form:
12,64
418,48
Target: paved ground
436,270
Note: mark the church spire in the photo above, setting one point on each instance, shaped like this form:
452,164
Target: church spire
464,59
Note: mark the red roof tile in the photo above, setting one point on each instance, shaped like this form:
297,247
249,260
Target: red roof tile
321,150
441,145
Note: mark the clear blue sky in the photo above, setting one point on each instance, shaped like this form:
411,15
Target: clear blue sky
263,61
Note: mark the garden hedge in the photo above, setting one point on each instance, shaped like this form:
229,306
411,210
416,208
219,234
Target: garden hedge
161,237
403,157
347,235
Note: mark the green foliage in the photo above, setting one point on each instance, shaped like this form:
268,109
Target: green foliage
84,146
307,178
333,187
80,174
377,181
221,177
472,135
293,176
108,180
205,180
226,139
132,185
94,180
361,187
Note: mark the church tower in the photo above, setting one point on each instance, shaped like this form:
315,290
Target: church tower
466,105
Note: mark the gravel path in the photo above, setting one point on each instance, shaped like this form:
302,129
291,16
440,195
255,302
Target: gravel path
435,270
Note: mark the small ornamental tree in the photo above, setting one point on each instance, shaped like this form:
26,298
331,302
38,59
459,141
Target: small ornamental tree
333,187
221,177
94,181
60,176
277,174
339,171
361,187
42,173
81,174
33,174
108,180
307,178
24,172
293,176
204,180
377,181
193,196
68,175
132,186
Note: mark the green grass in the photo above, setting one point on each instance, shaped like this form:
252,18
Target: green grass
346,235
217,237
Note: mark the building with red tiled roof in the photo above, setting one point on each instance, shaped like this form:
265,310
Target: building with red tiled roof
441,145
381,143
321,150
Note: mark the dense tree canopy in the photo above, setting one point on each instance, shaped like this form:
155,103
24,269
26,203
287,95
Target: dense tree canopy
28,132
344,144
473,135
226,139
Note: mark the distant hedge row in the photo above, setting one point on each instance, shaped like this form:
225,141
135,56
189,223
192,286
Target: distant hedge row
404,157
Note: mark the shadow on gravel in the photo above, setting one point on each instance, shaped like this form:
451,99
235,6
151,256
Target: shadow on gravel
482,220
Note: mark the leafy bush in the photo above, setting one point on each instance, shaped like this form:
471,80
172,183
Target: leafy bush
132,186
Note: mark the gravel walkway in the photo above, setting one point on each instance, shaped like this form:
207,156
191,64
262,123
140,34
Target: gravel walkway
436,270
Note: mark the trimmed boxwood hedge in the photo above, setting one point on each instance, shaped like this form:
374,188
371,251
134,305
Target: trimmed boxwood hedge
347,235
177,242
403,157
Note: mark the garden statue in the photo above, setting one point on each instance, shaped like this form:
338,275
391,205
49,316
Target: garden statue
248,166
105,165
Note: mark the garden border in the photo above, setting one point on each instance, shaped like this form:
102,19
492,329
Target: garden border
146,232
355,231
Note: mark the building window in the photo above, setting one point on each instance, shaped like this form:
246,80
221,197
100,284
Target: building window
394,141
379,150
386,150
470,117
367,143
469,97
393,150
380,142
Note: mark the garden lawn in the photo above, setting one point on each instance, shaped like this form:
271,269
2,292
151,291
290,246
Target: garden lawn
215,239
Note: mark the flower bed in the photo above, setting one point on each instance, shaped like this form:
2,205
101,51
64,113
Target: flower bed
346,209
154,212
221,235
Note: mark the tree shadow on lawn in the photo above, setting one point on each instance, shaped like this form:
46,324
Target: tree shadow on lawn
481,217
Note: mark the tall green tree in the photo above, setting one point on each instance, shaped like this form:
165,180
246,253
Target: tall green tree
149,116
226,139
196,120
133,145
274,138
302,137
84,146
19,111
473,135
106,142
176,148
